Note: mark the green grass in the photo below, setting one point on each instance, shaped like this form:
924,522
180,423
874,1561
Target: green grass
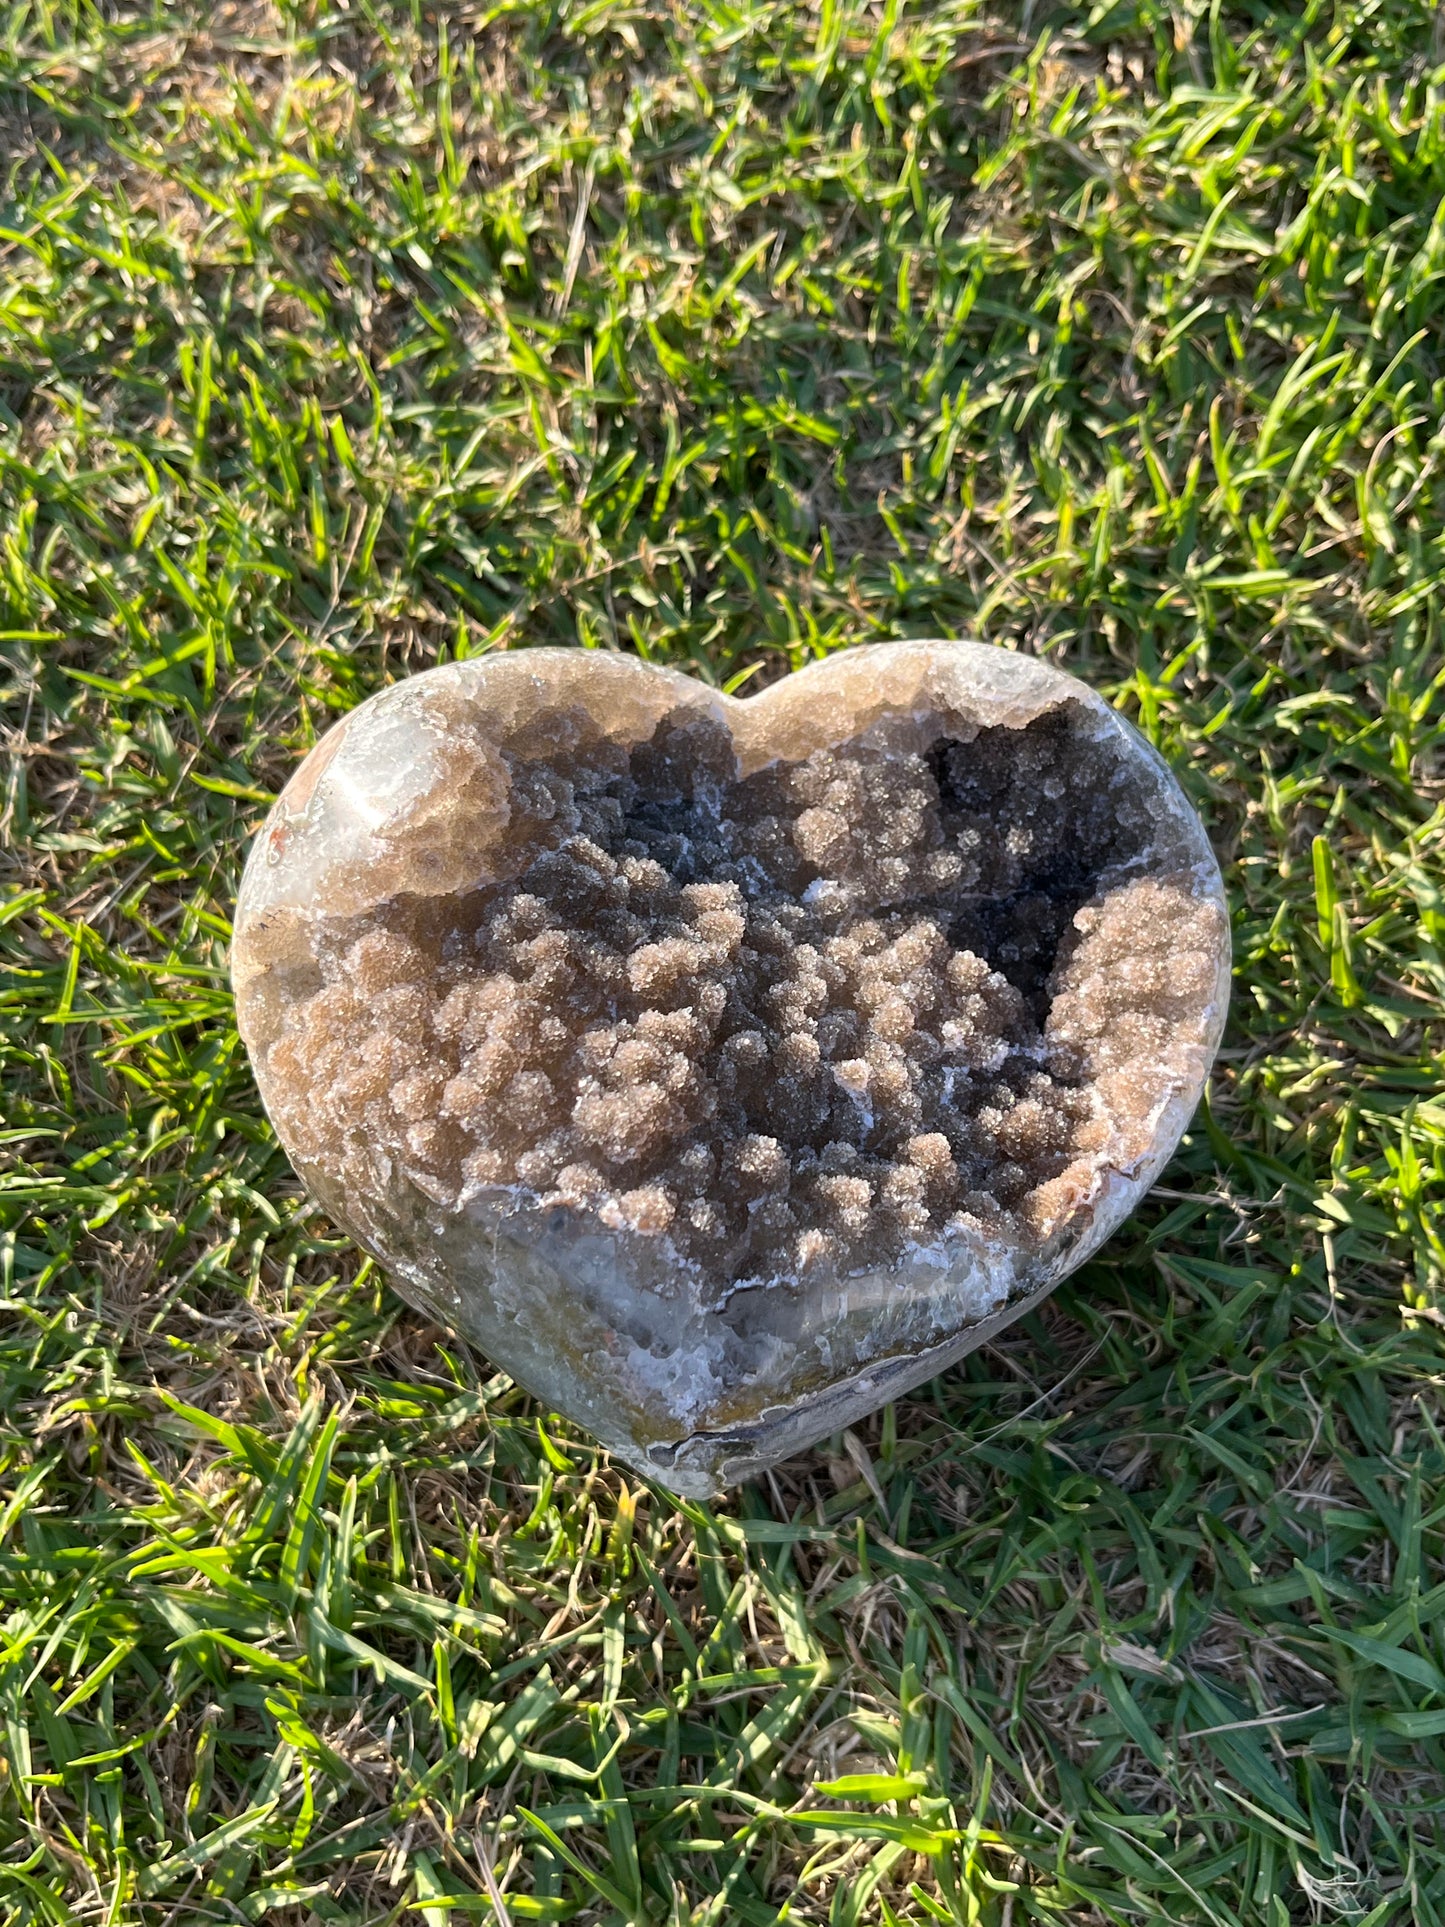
337,342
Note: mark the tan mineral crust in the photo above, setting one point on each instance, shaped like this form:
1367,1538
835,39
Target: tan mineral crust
724,1068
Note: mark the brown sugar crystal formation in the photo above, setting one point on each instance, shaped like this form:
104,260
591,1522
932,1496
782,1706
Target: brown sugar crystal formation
724,1068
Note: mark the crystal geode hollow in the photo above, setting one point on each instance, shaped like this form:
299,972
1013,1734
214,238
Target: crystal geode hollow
723,1068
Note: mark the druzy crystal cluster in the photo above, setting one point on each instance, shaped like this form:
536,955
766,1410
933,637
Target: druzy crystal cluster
723,1068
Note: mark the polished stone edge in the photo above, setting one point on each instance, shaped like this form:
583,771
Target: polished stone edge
705,1464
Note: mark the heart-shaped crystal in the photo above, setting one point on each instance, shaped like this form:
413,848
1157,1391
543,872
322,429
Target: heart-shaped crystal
724,1068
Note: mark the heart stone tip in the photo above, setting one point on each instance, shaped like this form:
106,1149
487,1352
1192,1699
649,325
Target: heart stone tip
724,1069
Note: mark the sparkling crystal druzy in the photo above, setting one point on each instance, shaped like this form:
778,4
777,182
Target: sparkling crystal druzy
724,1068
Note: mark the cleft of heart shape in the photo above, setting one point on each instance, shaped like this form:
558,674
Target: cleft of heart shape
724,1068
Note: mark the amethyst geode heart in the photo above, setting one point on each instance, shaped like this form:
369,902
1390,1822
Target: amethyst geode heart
724,1068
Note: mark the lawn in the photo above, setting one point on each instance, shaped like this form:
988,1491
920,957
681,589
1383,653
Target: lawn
340,340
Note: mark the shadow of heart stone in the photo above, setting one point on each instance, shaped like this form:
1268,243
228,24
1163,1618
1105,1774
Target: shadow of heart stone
725,1068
